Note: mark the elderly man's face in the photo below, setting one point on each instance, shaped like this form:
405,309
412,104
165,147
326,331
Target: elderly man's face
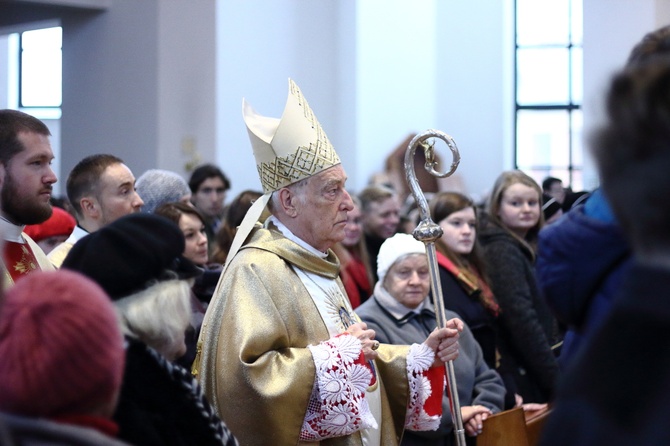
322,208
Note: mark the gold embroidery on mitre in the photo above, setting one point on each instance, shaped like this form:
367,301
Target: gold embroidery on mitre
306,161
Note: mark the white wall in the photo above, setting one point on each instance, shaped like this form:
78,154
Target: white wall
611,29
140,83
139,80
111,85
373,72
261,45
395,69
475,87
186,84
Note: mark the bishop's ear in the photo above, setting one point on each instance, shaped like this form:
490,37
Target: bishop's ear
288,201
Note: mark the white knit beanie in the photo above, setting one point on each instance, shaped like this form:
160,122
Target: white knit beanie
393,249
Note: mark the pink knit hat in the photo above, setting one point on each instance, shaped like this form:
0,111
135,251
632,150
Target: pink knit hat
61,346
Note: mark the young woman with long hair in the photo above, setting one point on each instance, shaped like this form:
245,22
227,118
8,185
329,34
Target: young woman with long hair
527,326
462,270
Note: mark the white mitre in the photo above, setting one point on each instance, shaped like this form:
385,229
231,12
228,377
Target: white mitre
289,149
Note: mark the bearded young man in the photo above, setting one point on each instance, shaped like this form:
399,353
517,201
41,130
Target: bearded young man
26,180
280,336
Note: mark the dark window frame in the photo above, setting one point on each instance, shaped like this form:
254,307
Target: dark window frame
570,107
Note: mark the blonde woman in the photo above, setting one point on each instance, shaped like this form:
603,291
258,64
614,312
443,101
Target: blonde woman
527,327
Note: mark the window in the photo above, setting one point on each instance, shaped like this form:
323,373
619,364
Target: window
41,68
549,89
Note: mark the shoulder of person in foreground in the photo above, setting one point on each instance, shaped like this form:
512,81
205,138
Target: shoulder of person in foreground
41,432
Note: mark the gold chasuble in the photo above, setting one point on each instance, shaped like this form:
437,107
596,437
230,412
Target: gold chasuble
256,368
273,362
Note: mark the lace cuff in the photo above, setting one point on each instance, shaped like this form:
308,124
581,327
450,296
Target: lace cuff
426,387
337,405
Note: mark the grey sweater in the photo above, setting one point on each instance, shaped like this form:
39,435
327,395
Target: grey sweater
477,383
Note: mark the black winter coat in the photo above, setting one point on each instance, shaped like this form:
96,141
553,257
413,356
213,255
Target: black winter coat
161,404
527,327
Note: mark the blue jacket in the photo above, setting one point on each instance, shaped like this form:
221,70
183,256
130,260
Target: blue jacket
617,393
581,261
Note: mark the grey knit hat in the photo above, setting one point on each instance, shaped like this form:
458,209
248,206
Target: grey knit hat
158,187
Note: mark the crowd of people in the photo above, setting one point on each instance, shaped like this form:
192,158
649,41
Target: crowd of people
153,312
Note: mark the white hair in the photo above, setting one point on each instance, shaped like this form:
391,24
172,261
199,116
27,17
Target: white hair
296,188
158,315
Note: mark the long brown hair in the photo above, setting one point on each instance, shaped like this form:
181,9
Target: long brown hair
174,211
504,181
442,205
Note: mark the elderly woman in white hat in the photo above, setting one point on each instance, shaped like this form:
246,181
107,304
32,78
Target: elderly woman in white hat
401,312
